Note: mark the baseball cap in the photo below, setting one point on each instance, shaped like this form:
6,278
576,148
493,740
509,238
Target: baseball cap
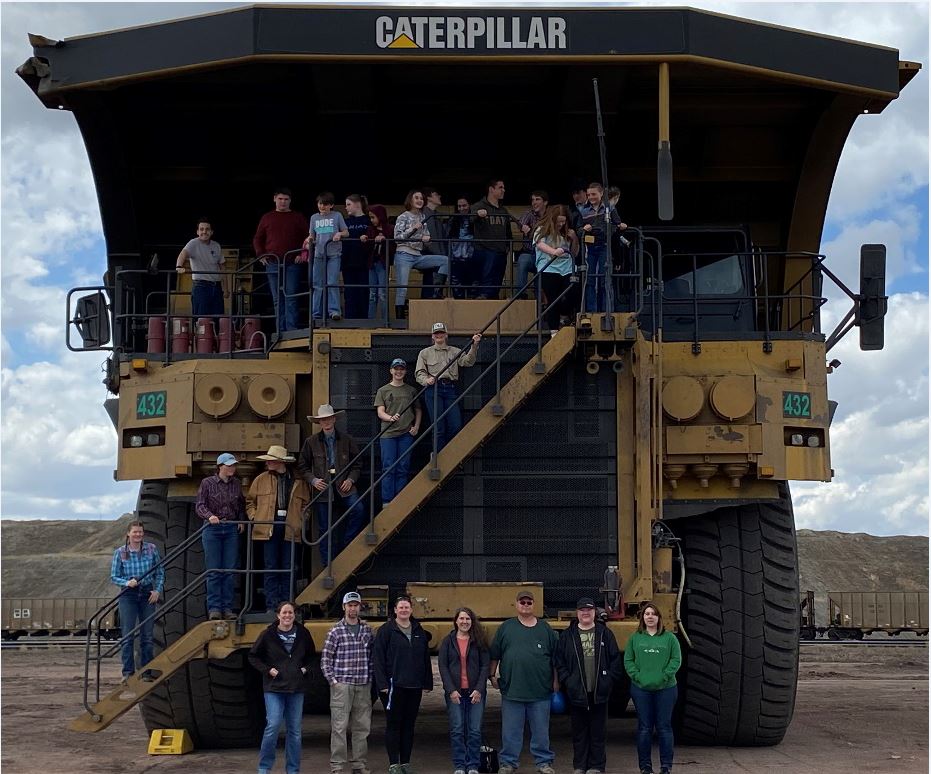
351,596
398,362
525,594
226,459
585,602
439,327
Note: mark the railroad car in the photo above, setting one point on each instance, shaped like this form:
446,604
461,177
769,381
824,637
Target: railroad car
54,617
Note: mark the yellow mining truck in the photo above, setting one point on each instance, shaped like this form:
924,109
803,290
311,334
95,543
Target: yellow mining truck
642,452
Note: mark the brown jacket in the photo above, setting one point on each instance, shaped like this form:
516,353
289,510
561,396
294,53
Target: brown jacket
312,462
262,502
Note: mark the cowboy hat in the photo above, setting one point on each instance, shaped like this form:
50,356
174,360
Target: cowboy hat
276,454
325,412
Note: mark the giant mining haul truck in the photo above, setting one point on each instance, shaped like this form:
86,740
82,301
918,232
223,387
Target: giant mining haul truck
640,453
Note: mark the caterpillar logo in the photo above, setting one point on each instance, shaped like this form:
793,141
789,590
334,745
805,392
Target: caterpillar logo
469,32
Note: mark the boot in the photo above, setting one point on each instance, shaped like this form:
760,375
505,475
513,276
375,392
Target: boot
400,312
439,285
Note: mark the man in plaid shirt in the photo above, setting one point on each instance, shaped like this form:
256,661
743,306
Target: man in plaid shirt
346,663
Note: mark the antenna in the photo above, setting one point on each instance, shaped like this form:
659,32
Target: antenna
664,155
607,321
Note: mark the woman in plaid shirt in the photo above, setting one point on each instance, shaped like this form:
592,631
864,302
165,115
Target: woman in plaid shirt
141,589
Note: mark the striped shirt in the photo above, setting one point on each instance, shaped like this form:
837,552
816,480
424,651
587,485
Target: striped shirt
346,657
223,500
128,564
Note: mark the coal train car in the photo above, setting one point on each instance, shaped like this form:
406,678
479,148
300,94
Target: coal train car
55,617
852,615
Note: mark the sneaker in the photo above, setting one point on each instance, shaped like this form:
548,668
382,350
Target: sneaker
361,771
594,771
664,770
229,615
553,334
395,768
505,769
578,771
148,677
336,317
406,768
473,771
124,680
459,771
214,615
546,769
646,771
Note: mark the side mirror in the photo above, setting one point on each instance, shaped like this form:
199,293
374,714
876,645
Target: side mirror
91,317
873,302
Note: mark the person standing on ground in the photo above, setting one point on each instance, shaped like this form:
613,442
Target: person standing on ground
403,671
441,392
276,502
277,242
140,590
400,414
588,663
524,648
652,658
346,662
220,503
283,653
463,663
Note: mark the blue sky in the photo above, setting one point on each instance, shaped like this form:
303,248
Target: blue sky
52,416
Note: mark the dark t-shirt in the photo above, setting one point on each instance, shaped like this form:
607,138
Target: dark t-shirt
354,252
525,654
496,225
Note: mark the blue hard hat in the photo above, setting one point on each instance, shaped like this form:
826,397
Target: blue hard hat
557,703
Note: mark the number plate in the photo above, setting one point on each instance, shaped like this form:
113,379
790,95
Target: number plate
796,405
151,405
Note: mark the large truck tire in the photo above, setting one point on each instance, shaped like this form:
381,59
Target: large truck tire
219,702
738,681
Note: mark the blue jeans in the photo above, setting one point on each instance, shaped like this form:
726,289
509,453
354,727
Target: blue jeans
285,298
378,289
392,449
326,269
465,731
206,299
134,608
451,424
277,554
654,710
352,524
221,552
404,262
491,265
595,282
290,708
513,716
526,263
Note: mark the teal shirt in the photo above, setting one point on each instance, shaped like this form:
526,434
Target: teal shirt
525,654
652,661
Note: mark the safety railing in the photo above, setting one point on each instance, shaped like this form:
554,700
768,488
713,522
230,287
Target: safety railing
432,429
95,652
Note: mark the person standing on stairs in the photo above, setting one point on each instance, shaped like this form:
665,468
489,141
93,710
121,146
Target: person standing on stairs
400,414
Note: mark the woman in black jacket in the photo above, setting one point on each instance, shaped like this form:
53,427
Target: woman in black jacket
463,663
283,654
588,663
402,672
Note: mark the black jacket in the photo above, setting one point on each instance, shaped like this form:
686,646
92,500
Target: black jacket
570,665
268,652
405,663
477,660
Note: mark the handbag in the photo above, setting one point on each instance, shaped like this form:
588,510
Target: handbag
488,760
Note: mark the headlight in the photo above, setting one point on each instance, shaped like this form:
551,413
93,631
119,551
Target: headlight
135,441
814,441
797,439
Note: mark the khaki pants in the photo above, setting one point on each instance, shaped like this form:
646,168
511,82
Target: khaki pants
350,708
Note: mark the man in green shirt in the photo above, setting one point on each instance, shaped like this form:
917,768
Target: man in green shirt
399,412
524,648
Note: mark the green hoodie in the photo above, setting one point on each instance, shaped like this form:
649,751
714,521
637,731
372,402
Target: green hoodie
652,660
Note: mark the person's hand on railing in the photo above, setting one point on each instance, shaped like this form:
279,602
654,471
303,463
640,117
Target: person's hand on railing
476,338
425,238
482,213
525,229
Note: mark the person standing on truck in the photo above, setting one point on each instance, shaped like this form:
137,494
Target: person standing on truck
283,653
326,227
328,460
524,647
141,587
463,663
588,663
526,263
593,233
441,393
220,503
356,256
403,671
280,232
399,411
555,245
652,658
275,503
206,259
492,228
346,662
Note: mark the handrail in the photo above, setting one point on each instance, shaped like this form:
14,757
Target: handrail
370,446
93,622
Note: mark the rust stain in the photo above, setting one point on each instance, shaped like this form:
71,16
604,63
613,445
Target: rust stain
728,435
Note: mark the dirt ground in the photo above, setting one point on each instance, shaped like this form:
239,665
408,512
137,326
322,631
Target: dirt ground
858,709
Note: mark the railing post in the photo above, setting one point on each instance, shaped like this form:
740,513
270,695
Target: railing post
370,537
328,582
497,410
434,454
539,367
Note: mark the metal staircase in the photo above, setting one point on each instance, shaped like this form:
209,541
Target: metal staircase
425,483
